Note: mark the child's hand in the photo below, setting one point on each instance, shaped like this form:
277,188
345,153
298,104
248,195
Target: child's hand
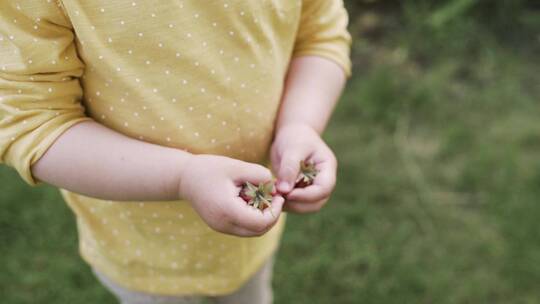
294,143
212,185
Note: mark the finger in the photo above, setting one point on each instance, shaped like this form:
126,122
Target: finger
275,160
322,186
327,167
302,208
253,219
276,208
289,168
230,228
253,173
309,194
271,213
236,230
240,231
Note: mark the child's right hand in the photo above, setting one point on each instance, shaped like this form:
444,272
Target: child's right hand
212,185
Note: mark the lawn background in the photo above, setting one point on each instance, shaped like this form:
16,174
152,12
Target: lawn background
438,200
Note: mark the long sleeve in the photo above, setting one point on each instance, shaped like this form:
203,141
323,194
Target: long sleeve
323,32
40,94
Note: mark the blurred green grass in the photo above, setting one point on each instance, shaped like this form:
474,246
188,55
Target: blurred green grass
438,137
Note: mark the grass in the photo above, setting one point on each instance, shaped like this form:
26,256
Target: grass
437,202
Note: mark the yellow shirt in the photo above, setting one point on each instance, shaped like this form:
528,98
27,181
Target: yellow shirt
204,76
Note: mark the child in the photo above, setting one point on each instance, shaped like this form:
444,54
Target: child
149,115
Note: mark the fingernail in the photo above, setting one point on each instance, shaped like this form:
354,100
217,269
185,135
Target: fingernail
284,186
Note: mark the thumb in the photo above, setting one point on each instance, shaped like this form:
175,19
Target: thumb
289,169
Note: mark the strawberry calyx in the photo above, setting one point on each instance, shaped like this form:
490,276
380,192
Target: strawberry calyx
307,175
258,196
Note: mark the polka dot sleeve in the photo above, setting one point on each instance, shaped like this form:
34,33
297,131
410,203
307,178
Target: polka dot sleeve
323,32
39,82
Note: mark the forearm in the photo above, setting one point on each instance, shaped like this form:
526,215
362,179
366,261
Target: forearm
312,88
96,161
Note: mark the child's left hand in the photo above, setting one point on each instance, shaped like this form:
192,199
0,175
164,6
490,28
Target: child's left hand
292,144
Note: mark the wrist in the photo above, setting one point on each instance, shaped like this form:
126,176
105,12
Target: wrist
183,175
296,127
178,164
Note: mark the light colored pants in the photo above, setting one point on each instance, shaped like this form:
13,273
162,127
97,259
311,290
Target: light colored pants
258,290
